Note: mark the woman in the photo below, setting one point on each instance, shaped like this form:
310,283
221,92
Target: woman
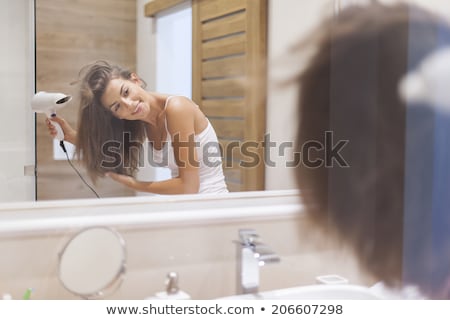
117,115
374,200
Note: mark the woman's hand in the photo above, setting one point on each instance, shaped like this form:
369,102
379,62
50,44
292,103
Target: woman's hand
123,179
170,186
70,135
128,181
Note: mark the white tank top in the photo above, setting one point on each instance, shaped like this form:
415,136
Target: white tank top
211,175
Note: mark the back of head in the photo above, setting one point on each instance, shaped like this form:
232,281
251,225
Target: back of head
352,128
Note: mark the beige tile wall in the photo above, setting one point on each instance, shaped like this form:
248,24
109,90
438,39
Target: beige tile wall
203,256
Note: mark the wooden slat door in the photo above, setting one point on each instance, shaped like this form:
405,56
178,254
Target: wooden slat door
229,82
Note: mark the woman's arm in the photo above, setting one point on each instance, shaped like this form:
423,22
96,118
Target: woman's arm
180,114
171,186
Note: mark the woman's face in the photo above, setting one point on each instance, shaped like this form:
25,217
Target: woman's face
126,99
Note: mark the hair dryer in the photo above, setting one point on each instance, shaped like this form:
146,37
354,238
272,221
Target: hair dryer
48,102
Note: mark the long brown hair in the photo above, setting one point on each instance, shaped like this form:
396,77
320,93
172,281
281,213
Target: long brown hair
99,130
349,90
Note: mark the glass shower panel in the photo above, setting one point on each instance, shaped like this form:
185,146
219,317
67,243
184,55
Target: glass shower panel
17,160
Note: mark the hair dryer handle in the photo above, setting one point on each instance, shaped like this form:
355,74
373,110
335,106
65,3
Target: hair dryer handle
59,131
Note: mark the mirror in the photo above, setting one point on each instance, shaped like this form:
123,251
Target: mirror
92,263
120,32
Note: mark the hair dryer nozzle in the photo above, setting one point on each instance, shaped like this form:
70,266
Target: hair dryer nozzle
64,100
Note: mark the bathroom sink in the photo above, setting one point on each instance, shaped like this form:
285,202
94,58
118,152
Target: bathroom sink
313,292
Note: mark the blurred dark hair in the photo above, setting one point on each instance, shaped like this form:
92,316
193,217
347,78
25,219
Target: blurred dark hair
349,88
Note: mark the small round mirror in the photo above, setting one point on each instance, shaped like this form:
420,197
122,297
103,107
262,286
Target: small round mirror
92,263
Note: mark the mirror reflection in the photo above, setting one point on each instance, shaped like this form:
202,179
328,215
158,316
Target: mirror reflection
234,89
234,113
221,68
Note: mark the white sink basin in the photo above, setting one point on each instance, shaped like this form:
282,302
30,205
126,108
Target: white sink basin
314,292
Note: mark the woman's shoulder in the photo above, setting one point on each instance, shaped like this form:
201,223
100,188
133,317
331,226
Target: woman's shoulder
179,105
182,112
176,101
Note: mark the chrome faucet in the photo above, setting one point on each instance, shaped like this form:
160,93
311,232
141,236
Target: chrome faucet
251,255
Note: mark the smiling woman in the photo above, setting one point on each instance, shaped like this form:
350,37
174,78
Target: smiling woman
117,115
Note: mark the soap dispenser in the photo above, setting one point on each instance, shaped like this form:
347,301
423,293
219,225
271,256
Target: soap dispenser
173,291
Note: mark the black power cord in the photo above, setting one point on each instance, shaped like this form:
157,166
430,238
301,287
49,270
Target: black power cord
63,147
